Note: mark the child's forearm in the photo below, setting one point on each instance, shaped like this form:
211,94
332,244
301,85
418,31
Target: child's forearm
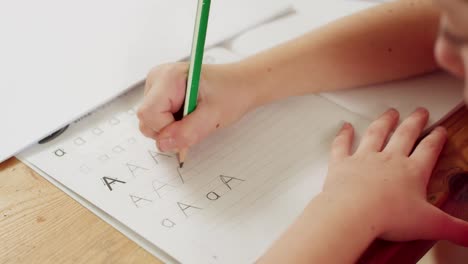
390,41
329,231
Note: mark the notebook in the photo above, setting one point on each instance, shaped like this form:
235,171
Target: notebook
61,59
239,189
309,15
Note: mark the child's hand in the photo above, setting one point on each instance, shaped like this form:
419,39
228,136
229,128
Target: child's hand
392,179
223,99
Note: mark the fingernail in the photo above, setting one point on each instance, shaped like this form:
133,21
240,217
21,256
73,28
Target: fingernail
167,144
345,126
440,129
421,110
392,111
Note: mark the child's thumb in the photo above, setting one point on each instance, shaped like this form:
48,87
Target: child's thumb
188,131
446,227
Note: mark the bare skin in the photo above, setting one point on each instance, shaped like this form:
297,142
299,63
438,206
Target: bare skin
388,201
388,42
381,181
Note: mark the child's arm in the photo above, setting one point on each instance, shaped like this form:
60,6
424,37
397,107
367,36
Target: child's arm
378,191
389,41
327,232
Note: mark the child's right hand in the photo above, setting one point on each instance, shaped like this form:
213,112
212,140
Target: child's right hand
223,99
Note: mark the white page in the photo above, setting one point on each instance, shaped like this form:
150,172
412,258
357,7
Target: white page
439,92
248,182
60,59
310,15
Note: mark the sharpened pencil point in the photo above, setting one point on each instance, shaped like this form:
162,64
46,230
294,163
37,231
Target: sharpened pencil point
182,155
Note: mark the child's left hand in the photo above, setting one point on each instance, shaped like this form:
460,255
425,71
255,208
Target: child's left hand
391,179
378,191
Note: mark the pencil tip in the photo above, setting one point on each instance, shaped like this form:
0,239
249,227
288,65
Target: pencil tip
181,165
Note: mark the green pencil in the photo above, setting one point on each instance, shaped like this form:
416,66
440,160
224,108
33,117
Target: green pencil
196,60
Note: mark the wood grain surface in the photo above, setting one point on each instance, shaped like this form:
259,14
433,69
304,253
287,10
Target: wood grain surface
41,224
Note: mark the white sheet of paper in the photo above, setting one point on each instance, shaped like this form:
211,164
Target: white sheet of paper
238,191
310,15
240,188
439,92
61,59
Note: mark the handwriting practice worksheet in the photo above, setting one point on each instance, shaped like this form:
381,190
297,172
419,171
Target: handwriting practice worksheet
242,186
237,192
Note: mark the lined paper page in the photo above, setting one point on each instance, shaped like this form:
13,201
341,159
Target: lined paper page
237,192
439,92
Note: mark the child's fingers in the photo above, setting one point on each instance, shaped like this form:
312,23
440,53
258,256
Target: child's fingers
428,150
407,133
149,81
189,131
154,120
146,131
166,71
341,146
377,133
161,101
442,226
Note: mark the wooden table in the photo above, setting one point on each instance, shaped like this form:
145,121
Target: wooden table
41,224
